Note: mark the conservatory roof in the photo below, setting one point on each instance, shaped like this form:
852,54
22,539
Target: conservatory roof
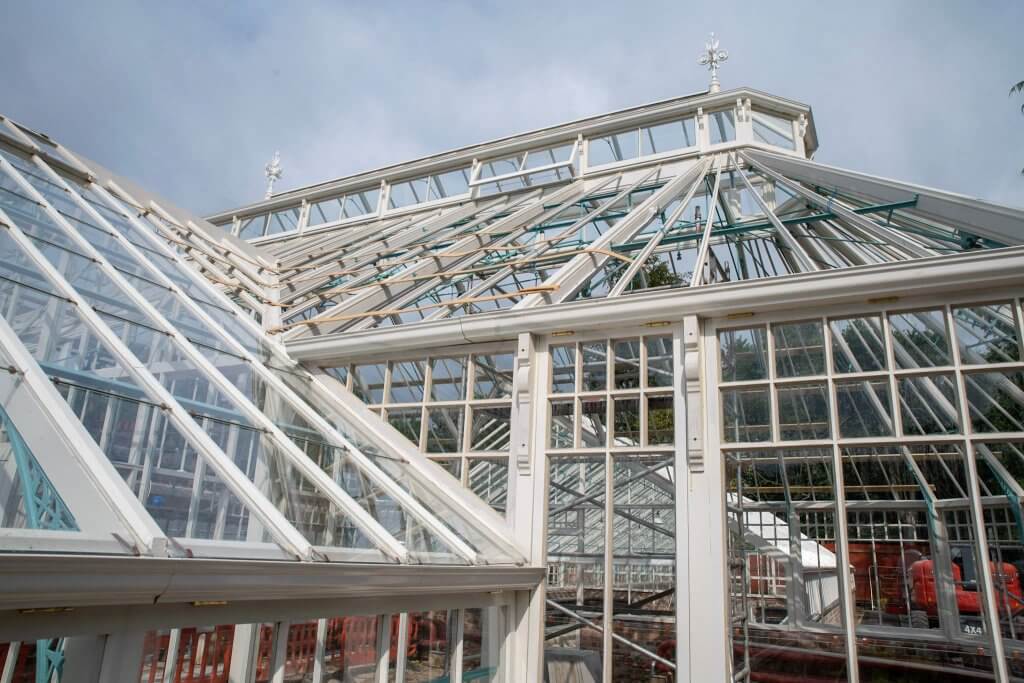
217,446
675,198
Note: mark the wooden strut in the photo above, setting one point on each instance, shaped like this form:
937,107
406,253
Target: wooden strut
539,289
469,271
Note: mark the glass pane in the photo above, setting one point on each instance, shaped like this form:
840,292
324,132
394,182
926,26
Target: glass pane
448,379
407,421
28,500
627,422
666,137
627,363
799,349
368,382
493,378
407,381
594,423
803,412
773,130
612,148
864,408
919,339
444,430
481,644
744,354
721,126
660,420
745,415
659,361
857,344
576,551
491,428
350,649
929,405
987,334
562,424
563,369
595,366
430,646
488,479
995,401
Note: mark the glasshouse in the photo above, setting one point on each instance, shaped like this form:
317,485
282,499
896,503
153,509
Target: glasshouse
646,396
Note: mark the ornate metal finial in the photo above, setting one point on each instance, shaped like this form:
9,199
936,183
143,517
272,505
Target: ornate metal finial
711,58
273,172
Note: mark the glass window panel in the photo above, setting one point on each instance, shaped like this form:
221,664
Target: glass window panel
28,500
612,148
361,203
721,126
987,334
449,184
283,221
368,382
773,130
493,375
562,424
481,655
252,227
430,645
995,401
488,479
491,428
659,361
595,366
864,408
350,650
444,430
594,423
325,211
857,344
666,137
563,369
745,415
576,551
799,349
660,420
627,422
744,354
627,363
803,412
929,405
448,379
920,339
407,381
407,421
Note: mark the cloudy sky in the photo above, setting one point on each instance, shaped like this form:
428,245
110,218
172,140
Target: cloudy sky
191,98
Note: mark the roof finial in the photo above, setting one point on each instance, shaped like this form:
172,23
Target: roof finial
273,172
711,58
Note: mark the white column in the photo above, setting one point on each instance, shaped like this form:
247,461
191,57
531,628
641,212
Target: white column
243,653
528,503
279,651
122,657
83,659
706,634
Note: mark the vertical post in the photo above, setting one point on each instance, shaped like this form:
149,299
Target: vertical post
383,647
708,585
83,659
173,642
243,653
279,651
527,499
318,654
402,648
458,630
122,657
689,453
7,675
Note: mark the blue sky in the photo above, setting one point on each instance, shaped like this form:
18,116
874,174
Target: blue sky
190,99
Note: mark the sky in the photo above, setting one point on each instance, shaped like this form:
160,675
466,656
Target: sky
190,99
